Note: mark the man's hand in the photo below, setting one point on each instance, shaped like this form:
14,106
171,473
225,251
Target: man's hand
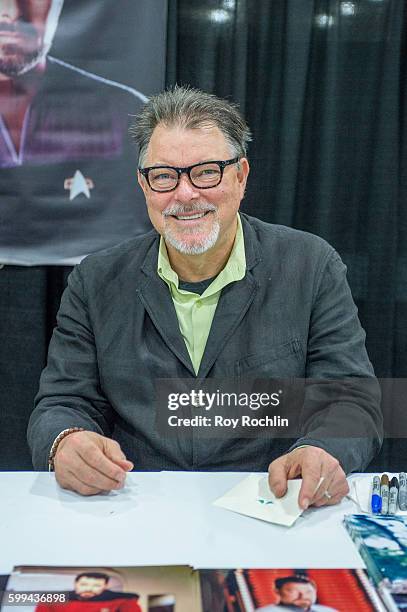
89,463
311,464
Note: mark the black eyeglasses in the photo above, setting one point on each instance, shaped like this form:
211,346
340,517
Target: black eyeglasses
203,175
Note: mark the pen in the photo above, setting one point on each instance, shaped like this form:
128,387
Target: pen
384,493
376,502
393,495
402,491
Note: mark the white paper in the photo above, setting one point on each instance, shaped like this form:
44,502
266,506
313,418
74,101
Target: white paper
253,497
361,492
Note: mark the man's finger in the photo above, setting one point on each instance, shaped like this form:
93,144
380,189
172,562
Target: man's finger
74,483
337,495
125,464
68,480
335,499
87,474
310,482
278,477
113,451
93,478
326,486
93,456
338,489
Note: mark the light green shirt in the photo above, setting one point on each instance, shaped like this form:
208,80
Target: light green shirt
195,312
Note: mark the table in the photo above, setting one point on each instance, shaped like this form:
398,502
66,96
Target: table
159,518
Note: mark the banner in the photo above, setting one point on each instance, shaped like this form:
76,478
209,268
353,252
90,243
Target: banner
71,76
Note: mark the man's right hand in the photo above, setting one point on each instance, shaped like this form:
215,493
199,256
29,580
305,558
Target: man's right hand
88,463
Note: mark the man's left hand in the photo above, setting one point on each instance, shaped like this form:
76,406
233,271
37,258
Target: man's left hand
311,464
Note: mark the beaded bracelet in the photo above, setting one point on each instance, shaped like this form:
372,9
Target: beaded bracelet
56,442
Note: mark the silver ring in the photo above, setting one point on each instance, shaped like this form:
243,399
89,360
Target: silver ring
327,495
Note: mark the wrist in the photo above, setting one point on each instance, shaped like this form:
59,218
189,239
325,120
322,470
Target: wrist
57,442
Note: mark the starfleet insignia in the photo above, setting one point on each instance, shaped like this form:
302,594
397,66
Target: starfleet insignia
78,184
267,502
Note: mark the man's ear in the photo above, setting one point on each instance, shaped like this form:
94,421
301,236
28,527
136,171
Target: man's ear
142,181
243,173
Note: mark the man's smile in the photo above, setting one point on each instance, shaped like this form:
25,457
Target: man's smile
191,218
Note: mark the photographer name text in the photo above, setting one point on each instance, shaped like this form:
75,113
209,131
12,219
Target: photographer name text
220,421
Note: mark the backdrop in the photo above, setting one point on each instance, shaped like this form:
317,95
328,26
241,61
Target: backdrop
322,85
67,162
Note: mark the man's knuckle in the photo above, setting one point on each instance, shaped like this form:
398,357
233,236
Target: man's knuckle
312,471
93,479
91,453
313,451
334,463
85,489
98,461
74,440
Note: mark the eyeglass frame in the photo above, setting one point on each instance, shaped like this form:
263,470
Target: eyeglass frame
187,170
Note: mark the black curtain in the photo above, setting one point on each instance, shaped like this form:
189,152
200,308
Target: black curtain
321,83
29,301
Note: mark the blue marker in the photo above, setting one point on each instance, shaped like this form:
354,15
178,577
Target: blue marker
376,502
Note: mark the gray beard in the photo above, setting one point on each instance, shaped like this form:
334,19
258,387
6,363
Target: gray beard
19,63
197,248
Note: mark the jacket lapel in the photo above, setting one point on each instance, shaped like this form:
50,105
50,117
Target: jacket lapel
157,300
234,301
233,304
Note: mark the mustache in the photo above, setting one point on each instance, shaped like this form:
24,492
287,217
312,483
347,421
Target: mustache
19,27
181,209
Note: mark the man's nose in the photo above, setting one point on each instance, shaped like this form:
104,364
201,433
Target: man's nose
9,10
185,189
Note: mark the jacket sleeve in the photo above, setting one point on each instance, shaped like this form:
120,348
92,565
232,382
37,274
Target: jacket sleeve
341,411
69,393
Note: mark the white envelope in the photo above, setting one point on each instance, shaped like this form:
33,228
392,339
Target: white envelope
252,497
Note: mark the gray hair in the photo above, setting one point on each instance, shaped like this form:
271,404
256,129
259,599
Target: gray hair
190,108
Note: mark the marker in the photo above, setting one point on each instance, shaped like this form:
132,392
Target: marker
384,493
376,501
394,493
402,491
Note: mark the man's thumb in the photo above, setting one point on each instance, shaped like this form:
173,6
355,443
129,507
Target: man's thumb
115,453
125,464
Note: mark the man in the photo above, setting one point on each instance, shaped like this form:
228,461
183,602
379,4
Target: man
274,303
65,152
296,593
91,594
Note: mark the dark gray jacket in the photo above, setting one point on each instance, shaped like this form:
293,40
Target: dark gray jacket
291,316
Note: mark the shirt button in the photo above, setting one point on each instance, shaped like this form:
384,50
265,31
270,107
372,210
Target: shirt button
198,303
